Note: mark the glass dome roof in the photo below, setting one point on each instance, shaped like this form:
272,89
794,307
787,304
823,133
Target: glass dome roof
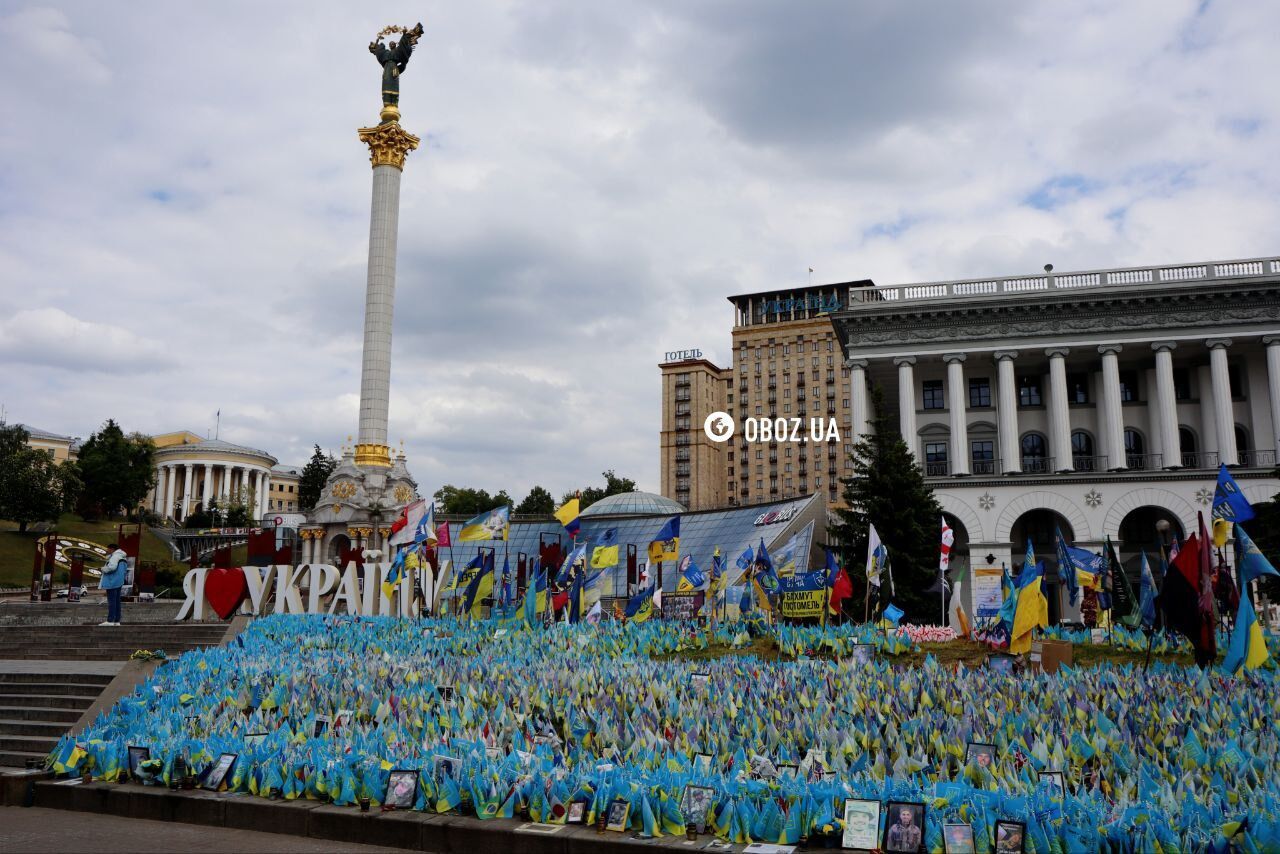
633,504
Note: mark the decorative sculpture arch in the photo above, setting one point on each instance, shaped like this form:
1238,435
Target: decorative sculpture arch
1042,501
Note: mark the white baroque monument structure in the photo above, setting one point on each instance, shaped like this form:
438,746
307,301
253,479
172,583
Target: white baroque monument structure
367,490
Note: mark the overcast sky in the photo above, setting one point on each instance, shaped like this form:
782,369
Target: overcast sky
184,203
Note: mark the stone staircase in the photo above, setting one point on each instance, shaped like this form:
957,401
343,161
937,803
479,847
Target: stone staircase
104,643
37,708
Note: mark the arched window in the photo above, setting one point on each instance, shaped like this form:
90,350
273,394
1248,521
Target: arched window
1242,439
1082,458
1190,455
1135,449
1034,456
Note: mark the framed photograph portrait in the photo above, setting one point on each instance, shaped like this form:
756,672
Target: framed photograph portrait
702,763
863,653
218,773
493,753
861,824
445,692
255,739
982,753
321,726
446,766
763,768
700,679
616,817
695,802
137,755
1055,782
788,771
1010,837
903,826
343,718
402,789
958,839
1000,662
577,813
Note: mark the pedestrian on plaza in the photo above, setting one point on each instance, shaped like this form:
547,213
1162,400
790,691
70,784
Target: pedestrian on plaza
113,572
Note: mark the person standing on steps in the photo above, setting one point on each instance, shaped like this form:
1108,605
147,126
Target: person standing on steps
113,572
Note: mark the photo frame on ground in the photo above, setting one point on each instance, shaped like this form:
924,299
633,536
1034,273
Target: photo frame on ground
958,839
1000,662
217,774
255,739
137,755
321,726
763,768
695,801
577,813
1056,781
1010,837
446,766
616,817
981,752
402,789
445,692
788,771
863,653
700,678
342,719
702,763
861,824
903,826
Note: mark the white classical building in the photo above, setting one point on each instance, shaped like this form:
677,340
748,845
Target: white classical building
191,472
1097,402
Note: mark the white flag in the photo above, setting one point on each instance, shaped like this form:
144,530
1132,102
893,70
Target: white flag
948,537
873,557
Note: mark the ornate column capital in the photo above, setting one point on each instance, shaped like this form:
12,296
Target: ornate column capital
1057,352
1158,346
389,144
1217,343
353,532
952,358
1271,340
856,363
1104,349
904,360
1005,355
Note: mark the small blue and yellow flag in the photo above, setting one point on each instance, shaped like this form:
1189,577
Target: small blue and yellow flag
605,552
487,526
666,545
1248,647
568,516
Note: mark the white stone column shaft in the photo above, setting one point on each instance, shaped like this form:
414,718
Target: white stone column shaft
1007,410
375,375
1059,411
1111,422
1208,419
858,396
1272,343
170,483
157,492
265,498
206,488
957,405
1167,404
188,471
907,404
1223,410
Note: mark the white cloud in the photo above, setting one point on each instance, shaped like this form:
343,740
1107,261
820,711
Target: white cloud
51,338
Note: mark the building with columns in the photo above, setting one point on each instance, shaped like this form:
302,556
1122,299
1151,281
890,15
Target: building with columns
191,472
1097,402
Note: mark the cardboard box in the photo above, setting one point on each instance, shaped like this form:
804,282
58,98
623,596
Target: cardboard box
1047,655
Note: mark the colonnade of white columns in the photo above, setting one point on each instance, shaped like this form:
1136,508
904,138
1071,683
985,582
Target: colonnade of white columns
220,480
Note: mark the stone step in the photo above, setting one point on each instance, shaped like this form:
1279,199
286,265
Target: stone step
18,758
98,680
49,729
28,743
50,688
48,701
67,716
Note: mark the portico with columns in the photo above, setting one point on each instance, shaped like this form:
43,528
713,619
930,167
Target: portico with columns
1100,402
193,474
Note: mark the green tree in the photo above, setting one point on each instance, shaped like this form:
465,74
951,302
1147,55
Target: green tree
313,478
117,470
466,501
33,488
887,489
613,485
538,501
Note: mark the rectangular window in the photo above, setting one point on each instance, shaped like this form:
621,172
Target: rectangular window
1077,388
1129,386
979,392
846,403
983,456
786,408
1029,392
1181,384
935,458
933,398
1233,379
817,481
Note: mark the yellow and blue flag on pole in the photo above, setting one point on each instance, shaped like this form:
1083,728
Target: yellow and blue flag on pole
568,516
535,598
487,526
692,578
1248,647
640,606
1229,506
666,545
394,574
605,552
1031,608
480,588
1250,561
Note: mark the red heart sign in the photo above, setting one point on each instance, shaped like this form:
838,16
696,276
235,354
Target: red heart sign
225,589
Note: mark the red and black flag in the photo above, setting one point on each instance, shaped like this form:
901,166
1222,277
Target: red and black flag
1180,603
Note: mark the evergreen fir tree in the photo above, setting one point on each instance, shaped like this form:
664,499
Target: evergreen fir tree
887,489
313,478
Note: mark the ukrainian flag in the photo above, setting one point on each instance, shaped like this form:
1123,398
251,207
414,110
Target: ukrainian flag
487,526
640,606
666,545
605,553
568,516
535,598
480,588
1031,609
692,579
1248,647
